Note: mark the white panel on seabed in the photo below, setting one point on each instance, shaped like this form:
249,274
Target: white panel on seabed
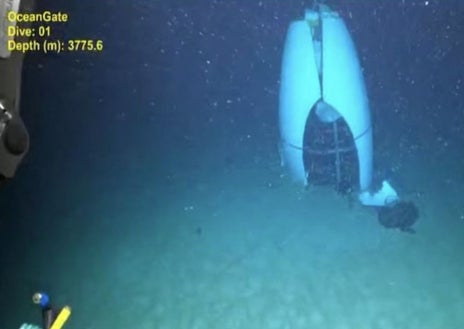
299,91
344,89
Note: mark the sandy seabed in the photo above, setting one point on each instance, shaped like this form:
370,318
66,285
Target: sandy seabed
238,252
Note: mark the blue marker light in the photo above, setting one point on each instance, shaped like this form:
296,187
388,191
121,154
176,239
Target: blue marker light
41,298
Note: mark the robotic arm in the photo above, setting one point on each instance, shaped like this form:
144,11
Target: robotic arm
52,318
14,138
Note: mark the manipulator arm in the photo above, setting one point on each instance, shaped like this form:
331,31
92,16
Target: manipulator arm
14,138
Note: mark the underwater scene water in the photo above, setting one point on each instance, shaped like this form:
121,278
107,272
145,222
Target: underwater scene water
153,195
